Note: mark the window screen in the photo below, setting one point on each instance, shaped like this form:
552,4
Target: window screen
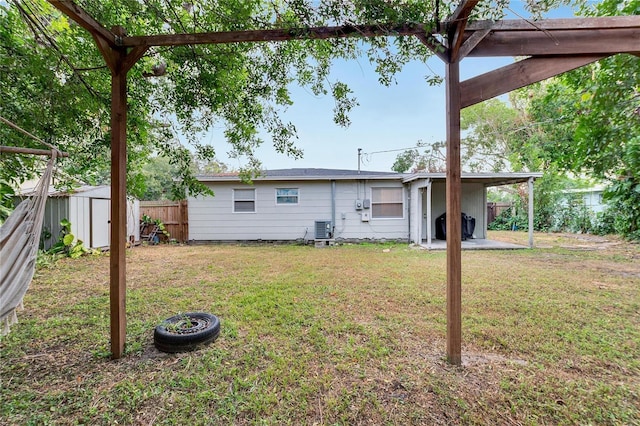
286,195
244,200
386,203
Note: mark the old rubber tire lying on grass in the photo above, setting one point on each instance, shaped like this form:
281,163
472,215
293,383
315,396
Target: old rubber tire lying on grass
185,332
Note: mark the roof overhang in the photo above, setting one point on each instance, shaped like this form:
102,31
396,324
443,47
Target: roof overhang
306,177
487,179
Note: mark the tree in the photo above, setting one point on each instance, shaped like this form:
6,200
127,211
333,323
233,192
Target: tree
61,92
594,114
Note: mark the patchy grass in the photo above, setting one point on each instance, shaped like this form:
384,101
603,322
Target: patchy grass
339,335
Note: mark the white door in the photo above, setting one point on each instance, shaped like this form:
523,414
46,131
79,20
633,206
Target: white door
100,223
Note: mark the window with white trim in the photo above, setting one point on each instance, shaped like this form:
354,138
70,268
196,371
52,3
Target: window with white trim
287,195
387,203
244,200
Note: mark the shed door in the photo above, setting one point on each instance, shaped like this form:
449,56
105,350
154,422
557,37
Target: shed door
100,223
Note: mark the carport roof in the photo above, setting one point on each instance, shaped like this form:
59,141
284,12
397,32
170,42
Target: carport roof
488,179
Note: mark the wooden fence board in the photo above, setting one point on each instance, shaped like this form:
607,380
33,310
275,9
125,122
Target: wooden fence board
173,214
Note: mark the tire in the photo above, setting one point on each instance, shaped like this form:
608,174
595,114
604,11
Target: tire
186,332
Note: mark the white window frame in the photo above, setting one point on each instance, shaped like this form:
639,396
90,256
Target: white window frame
233,201
373,202
297,196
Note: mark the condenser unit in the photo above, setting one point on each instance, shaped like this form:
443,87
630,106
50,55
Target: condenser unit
323,229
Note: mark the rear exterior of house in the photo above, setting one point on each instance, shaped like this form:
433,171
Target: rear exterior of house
302,205
342,205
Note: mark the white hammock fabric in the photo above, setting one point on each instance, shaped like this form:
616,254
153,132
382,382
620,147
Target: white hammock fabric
19,240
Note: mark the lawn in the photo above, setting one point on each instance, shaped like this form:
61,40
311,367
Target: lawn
351,334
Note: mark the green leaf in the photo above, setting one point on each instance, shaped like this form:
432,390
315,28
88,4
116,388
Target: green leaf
68,239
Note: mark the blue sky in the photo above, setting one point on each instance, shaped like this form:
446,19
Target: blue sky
387,118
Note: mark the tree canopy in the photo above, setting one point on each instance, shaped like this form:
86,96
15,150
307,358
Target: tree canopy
57,85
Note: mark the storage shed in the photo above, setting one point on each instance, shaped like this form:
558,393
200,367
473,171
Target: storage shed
88,208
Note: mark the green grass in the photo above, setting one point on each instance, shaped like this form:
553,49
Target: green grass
340,335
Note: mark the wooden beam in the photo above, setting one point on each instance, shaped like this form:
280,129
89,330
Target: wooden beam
562,42
605,22
314,33
517,75
455,26
133,56
117,284
471,42
86,21
31,151
436,47
453,219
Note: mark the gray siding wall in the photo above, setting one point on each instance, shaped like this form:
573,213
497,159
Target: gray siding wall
55,210
213,219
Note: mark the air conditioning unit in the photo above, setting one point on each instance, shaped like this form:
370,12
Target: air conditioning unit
324,230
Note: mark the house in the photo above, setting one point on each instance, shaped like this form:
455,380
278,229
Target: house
88,208
335,205
590,198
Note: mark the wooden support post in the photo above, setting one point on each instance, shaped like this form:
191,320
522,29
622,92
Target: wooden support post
118,285
530,187
454,211
429,211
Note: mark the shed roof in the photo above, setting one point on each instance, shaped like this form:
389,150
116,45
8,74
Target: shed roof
28,188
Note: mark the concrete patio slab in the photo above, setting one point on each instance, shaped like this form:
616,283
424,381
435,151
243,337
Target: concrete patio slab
475,244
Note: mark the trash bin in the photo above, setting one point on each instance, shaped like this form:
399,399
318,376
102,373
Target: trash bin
468,226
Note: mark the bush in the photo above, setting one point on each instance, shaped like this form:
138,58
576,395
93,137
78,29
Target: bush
505,221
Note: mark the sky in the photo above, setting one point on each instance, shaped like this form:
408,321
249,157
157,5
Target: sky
387,118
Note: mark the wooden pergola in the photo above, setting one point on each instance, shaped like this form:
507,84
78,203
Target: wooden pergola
551,46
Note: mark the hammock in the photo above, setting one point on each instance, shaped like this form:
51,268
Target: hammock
19,240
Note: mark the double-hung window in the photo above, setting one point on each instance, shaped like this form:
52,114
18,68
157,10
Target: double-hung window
387,203
244,200
287,195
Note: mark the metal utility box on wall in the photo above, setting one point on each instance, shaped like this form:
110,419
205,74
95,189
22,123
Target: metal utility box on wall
364,216
359,204
366,203
323,230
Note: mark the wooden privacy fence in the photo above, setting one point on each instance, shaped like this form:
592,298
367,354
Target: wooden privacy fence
494,209
172,213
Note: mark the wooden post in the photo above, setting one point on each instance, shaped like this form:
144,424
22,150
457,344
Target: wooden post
118,286
530,187
453,224
429,209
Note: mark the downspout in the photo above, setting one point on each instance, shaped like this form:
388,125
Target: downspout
333,208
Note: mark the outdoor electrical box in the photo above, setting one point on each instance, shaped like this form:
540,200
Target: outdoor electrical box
366,203
358,204
365,216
